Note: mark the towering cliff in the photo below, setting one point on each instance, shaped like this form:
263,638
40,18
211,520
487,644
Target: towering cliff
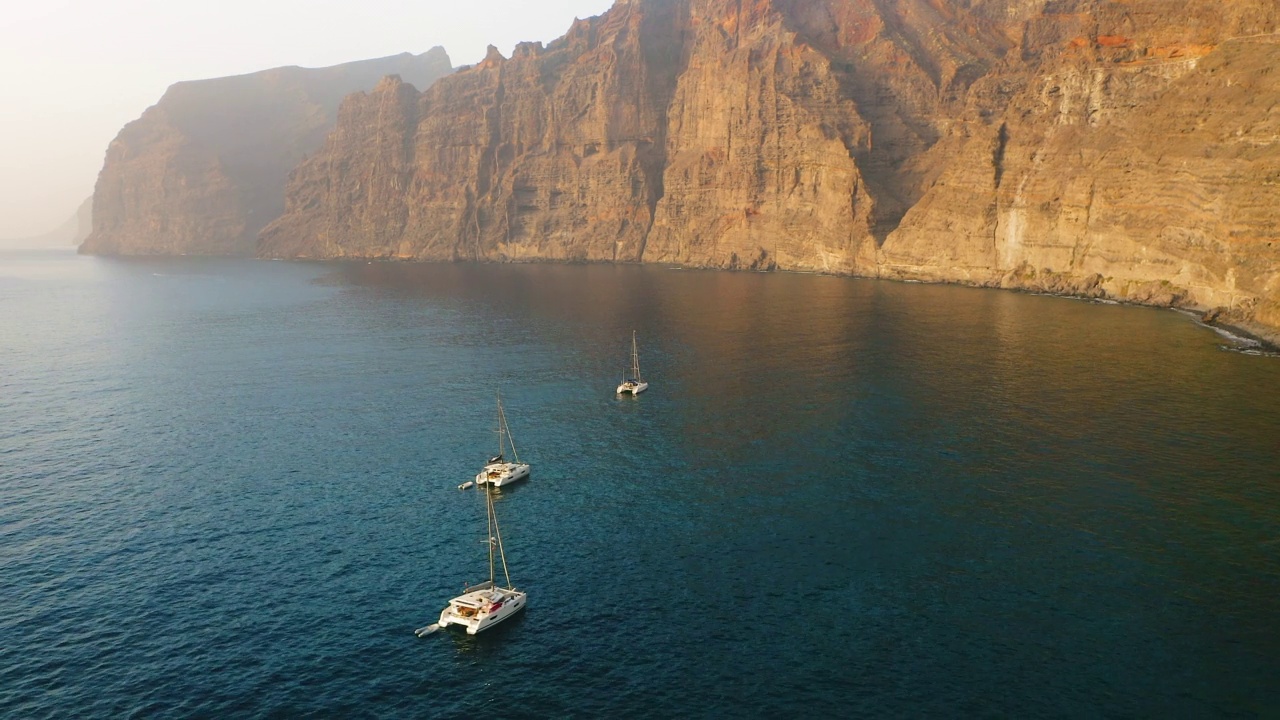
1128,149
557,153
1119,148
204,169
1131,150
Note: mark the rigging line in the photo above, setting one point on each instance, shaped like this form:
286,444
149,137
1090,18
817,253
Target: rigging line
502,553
488,538
504,428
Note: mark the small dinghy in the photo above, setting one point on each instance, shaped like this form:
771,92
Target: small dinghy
467,484
425,631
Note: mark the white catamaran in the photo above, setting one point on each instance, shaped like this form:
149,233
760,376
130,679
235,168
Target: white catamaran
482,606
498,471
634,384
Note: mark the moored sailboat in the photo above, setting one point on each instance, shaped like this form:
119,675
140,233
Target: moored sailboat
499,471
633,384
486,604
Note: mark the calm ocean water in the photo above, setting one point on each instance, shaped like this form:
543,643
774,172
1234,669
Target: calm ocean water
228,489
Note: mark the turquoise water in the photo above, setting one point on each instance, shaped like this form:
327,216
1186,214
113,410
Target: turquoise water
228,488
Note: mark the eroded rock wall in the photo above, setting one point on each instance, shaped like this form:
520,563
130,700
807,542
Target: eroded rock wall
1136,158
1107,148
554,154
204,170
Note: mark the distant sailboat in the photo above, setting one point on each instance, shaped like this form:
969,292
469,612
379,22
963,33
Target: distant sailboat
498,471
634,384
482,606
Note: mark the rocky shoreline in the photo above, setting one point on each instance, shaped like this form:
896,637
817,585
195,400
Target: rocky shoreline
1158,294
1253,338
1127,151
1250,336
1239,330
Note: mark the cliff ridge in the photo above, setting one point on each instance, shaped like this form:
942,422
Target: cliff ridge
1127,150
204,170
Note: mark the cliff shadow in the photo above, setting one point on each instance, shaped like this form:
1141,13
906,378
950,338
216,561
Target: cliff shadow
900,78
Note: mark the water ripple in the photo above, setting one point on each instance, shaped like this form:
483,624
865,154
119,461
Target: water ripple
229,489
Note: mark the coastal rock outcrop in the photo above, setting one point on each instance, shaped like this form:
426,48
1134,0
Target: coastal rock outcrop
1136,158
554,154
1126,150
204,169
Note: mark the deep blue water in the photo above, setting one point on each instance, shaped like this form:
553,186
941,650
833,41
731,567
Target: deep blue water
228,489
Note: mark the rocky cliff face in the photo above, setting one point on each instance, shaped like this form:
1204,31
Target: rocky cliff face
1132,153
203,170
557,153
1119,148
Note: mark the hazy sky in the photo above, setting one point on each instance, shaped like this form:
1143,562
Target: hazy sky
72,72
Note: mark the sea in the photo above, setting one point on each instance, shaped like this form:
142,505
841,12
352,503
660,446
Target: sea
230,489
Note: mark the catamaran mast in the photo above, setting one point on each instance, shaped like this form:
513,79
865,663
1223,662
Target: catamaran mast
501,447
491,516
488,538
635,358
503,430
497,533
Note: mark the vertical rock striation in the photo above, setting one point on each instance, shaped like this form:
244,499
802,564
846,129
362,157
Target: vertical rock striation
204,169
556,153
1128,150
1118,148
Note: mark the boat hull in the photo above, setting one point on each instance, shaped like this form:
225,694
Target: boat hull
632,388
478,611
499,474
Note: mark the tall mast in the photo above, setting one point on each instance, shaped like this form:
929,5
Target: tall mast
635,357
504,430
491,516
497,532
500,446
488,538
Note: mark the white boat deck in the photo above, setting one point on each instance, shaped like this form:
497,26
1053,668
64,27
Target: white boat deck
482,607
500,473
